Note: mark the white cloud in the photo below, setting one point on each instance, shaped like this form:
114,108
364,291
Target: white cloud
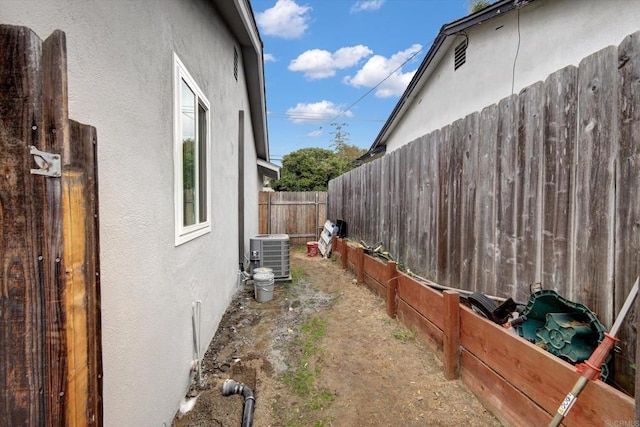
346,57
315,133
286,19
314,112
320,64
377,68
367,6
268,57
315,64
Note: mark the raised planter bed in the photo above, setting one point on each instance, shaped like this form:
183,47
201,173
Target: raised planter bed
517,381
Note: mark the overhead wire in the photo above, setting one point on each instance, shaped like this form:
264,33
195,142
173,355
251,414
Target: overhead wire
515,60
322,116
374,87
312,116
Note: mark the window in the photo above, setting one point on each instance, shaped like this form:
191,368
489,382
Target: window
191,155
460,55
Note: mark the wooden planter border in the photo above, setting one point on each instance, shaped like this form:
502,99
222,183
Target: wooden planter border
520,383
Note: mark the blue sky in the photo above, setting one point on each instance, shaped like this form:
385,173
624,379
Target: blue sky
322,57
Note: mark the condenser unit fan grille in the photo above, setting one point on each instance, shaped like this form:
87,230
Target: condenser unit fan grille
273,252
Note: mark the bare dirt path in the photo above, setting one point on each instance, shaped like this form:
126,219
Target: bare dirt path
324,353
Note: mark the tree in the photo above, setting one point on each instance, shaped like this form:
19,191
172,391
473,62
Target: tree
311,169
307,169
477,5
188,164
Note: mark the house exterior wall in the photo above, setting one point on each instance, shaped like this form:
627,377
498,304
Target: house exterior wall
120,63
551,34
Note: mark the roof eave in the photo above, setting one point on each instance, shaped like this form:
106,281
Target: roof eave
239,17
455,27
269,169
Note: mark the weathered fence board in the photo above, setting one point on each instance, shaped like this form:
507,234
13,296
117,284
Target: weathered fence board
530,146
50,339
627,232
80,213
27,396
57,140
506,206
559,151
396,194
597,140
357,203
404,215
542,186
469,179
445,215
454,220
411,195
430,232
485,233
382,226
299,214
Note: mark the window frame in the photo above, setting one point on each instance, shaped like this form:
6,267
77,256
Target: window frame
185,233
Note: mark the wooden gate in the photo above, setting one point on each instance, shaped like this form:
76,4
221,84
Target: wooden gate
300,214
50,340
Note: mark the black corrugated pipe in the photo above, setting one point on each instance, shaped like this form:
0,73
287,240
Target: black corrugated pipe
230,387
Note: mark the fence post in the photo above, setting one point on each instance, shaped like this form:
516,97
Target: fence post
360,269
451,341
334,244
392,288
317,230
269,213
344,254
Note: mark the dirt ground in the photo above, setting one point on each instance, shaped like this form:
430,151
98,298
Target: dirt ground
323,352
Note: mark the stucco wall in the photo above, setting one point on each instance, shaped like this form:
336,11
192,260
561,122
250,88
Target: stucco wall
120,81
552,34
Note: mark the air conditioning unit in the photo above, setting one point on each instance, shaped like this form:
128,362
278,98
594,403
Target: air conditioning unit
271,251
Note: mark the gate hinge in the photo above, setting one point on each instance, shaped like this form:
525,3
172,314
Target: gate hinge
48,163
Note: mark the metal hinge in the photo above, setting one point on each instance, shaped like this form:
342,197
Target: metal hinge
48,163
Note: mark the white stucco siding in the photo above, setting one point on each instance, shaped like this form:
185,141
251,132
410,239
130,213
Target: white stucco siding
120,62
552,34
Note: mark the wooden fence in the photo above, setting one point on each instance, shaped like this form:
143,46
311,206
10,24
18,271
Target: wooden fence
521,384
50,340
541,187
299,214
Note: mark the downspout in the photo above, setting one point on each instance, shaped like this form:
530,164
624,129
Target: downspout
230,387
241,190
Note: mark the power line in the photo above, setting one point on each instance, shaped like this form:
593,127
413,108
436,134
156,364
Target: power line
311,117
322,117
376,86
513,73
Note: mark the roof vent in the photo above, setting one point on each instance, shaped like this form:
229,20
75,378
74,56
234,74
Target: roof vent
460,55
